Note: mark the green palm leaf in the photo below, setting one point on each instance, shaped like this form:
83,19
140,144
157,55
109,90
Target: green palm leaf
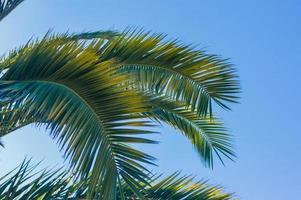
26,182
6,6
208,135
94,92
84,105
179,187
172,69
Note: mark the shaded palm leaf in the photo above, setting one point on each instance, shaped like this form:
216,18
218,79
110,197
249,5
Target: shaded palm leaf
6,6
26,182
208,135
93,35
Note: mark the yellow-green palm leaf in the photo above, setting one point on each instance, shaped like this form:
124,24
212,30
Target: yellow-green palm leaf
83,104
172,69
96,91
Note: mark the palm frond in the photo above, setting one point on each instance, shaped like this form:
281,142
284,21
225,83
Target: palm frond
26,182
7,60
92,93
172,69
6,6
84,105
180,187
11,120
207,134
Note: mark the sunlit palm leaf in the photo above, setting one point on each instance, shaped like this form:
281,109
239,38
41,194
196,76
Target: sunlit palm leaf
178,187
26,182
85,107
94,96
178,72
7,60
173,69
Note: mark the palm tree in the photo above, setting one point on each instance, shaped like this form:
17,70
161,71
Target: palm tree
100,92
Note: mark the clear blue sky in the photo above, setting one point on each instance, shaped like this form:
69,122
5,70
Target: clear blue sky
262,38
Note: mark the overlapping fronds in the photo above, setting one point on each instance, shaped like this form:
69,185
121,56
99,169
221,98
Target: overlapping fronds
175,70
26,182
187,79
94,91
6,61
179,187
6,6
83,104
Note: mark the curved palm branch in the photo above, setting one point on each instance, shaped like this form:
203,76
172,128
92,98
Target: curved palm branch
172,69
26,182
175,73
208,135
60,38
6,6
95,97
84,105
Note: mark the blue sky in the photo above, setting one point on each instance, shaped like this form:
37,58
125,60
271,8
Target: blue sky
263,40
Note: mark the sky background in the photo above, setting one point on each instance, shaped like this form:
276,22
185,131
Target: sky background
263,40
